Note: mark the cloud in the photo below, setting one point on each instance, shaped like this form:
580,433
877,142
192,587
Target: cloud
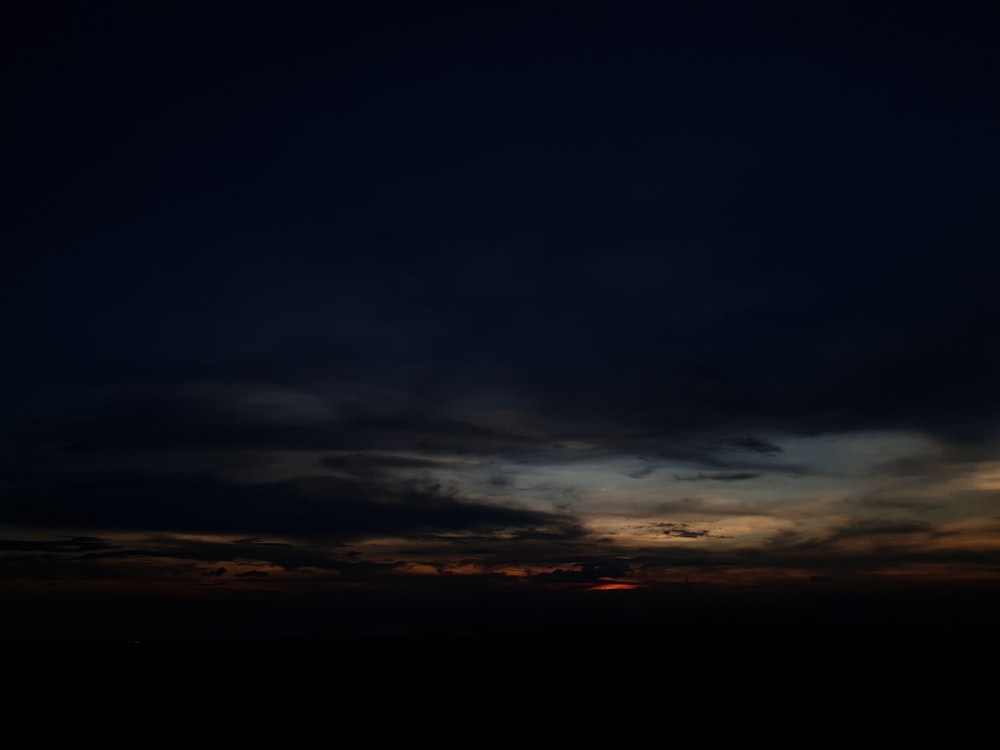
158,550
897,503
333,508
167,416
750,443
739,476
259,542
586,572
367,464
875,527
700,506
642,471
68,545
700,448
681,530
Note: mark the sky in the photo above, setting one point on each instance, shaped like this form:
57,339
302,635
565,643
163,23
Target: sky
329,317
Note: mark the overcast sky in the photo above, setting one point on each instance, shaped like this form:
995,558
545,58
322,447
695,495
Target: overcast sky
320,299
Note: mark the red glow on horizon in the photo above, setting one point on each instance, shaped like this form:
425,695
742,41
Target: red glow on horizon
613,587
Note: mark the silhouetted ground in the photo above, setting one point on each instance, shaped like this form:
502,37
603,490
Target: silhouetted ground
617,628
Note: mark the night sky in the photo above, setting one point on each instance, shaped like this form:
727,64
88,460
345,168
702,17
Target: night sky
353,318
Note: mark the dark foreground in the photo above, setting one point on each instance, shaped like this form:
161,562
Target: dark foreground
618,627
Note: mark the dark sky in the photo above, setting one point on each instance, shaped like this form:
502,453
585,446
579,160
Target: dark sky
420,313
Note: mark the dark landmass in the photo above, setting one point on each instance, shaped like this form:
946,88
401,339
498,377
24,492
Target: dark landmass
619,626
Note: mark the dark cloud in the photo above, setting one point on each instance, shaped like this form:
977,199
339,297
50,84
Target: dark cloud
874,527
69,545
330,508
738,476
889,548
896,503
120,553
642,471
682,530
957,363
699,506
750,443
367,464
741,455
261,542
586,572
287,556
227,416
886,544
